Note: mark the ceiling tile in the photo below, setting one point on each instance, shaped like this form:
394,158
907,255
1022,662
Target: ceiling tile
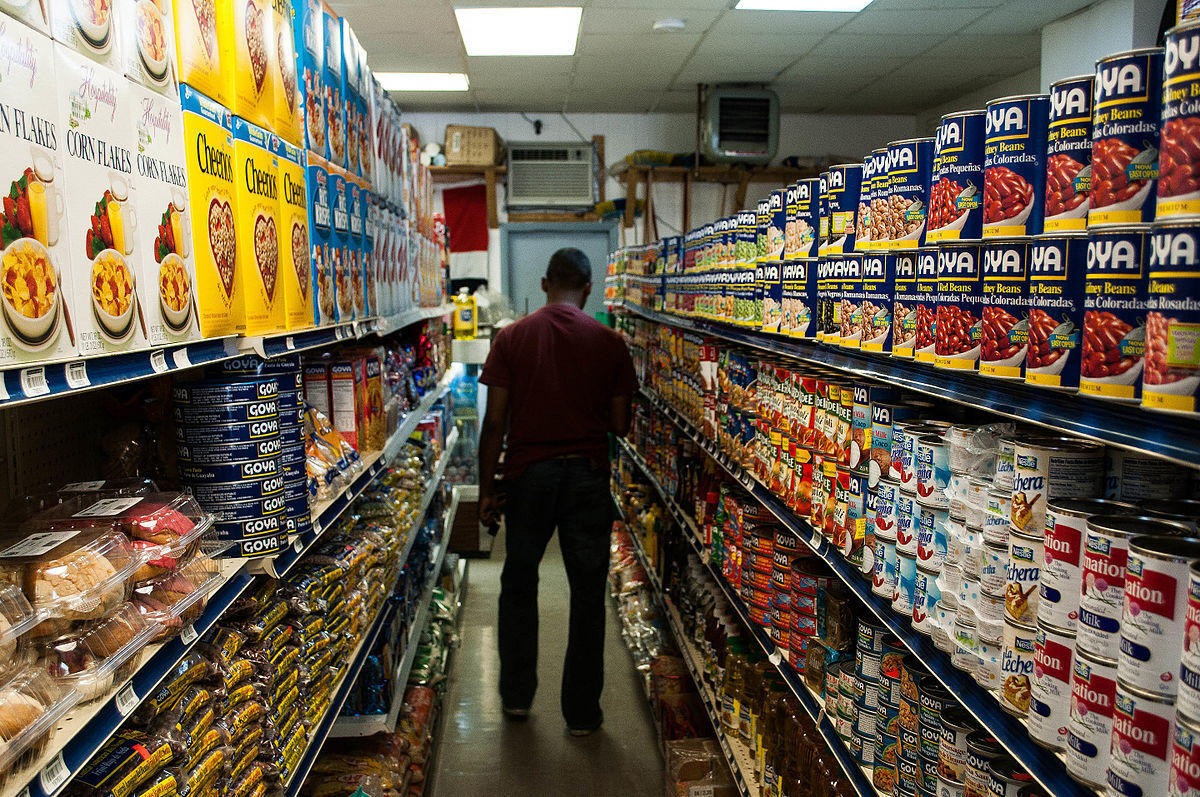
519,72
430,18
899,22
855,48
519,100
776,22
600,44
910,5
416,100
625,21
618,79
663,6
611,101
1024,16
995,50
837,74
783,48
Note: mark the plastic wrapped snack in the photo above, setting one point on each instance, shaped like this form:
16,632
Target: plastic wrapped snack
31,704
16,619
181,593
93,658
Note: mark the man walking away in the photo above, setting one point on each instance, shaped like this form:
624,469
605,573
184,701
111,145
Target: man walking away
559,382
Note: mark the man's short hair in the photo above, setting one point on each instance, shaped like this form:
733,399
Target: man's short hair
569,269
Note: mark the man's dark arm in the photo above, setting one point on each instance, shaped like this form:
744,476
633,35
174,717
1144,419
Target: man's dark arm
491,441
620,415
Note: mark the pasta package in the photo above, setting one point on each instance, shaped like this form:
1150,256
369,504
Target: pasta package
310,52
320,228
208,139
197,52
258,227
248,56
295,261
288,120
148,43
331,78
96,113
89,27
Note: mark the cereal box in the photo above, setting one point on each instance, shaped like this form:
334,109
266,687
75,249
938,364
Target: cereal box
148,43
208,138
289,108
346,396
354,245
197,51
319,231
370,277
339,241
294,258
310,52
331,78
366,136
248,56
34,239
166,267
31,13
89,27
257,174
96,113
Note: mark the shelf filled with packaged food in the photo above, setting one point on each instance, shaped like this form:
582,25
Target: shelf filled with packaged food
1045,767
1173,436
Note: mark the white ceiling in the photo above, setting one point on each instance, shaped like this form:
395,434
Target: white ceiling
895,56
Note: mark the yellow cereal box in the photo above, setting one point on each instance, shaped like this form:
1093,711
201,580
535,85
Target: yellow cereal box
295,263
248,56
211,177
289,103
148,43
258,227
197,49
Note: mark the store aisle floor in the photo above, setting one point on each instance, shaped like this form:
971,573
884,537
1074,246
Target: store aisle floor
482,752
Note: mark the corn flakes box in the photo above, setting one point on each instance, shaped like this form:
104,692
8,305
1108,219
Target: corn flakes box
91,28
212,196
319,231
96,113
295,264
289,102
331,78
166,265
35,291
310,51
31,12
148,43
339,241
198,54
258,227
248,56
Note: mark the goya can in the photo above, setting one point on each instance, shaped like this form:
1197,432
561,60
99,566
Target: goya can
823,214
844,184
957,725
1050,691
797,297
909,174
863,234
1125,119
1116,290
1069,153
1014,179
1171,363
803,219
874,314
1143,732
1004,329
982,749
1057,268
847,272
904,304
960,294
1179,139
925,313
1008,777
956,193
1089,727
1061,579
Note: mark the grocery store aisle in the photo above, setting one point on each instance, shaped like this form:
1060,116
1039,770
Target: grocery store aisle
481,752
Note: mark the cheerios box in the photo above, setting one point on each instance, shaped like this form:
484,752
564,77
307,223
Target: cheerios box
198,55
257,174
248,56
147,37
212,198
34,236
320,224
31,13
310,52
331,79
166,265
294,259
95,113
91,28
288,121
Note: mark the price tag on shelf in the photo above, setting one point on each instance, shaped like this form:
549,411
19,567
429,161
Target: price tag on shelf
776,657
77,375
180,356
3,390
188,635
289,343
158,361
33,382
54,774
316,524
126,700
298,544
700,791
24,792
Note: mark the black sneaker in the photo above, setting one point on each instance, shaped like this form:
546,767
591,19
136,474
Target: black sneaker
516,713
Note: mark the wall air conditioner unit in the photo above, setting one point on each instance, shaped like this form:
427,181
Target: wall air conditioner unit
551,175
739,125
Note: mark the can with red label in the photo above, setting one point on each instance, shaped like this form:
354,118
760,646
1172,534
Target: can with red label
1179,147
1069,153
1125,136
909,173
960,296
1189,668
1171,368
925,313
1142,736
1089,728
877,278
1004,331
1116,291
1050,699
844,182
1152,623
1184,780
1057,268
1061,578
1014,179
956,192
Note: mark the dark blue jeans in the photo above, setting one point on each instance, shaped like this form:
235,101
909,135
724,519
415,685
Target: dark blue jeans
570,494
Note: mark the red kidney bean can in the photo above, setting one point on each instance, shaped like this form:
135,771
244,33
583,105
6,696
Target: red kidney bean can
1014,177
1126,110
1152,623
904,304
1069,153
910,172
1089,728
1179,139
1116,291
1061,578
803,219
926,294
960,296
1057,268
1143,733
1184,780
844,183
1050,691
1004,332
956,190
1171,364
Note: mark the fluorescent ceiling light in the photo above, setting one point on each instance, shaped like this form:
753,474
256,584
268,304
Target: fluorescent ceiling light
519,31
803,5
423,81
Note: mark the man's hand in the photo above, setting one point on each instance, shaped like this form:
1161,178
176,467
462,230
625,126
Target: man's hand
491,507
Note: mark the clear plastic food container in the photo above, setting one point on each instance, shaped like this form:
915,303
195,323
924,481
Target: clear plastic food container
109,488
95,657
178,598
17,617
31,704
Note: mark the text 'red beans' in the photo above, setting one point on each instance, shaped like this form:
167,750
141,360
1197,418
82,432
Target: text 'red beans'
1115,304
959,297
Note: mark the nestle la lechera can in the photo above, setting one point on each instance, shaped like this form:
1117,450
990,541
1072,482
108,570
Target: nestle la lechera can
844,182
1179,138
1004,336
1014,178
1069,154
959,296
1125,116
1152,623
956,190
1116,290
1171,361
1057,266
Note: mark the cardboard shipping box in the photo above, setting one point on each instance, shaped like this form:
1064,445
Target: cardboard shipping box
473,146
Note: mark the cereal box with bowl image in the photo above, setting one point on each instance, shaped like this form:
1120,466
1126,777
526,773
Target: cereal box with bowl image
166,266
31,12
295,264
289,101
367,253
197,50
89,27
366,137
354,245
247,42
310,56
331,79
319,230
257,223
148,43
34,238
208,146
96,116
351,93
339,240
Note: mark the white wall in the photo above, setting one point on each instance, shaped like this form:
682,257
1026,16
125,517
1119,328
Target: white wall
1024,83
1072,45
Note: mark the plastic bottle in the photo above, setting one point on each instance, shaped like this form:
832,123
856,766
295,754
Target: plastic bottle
465,322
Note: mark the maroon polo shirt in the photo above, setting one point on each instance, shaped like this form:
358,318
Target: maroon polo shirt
562,368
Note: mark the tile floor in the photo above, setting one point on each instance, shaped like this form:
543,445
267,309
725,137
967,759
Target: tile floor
482,753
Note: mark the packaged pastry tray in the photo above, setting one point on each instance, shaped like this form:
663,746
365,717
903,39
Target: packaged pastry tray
95,657
31,705
17,617
172,600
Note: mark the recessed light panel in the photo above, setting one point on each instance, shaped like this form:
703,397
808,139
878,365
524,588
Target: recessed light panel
803,5
519,31
423,81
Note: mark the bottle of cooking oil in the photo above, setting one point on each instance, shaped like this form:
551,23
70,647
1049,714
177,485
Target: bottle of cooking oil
465,322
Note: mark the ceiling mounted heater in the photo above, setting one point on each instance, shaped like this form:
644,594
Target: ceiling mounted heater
739,125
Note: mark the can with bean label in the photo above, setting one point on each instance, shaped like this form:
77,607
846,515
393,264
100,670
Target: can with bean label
1178,158
925,294
904,304
1055,288
982,749
957,726
845,275
823,214
1089,728
1142,736
1152,622
803,219
1004,336
874,315
1050,690
1125,137
1171,365
956,193
933,471
1116,300
798,297
1014,158
924,613
1069,153
1048,468
844,182
1007,777
872,200
957,328
1017,663
1061,579
909,173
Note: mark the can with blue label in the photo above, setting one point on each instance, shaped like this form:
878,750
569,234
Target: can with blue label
203,455
956,193
848,273
262,546
828,325
769,276
904,304
1069,153
230,493
926,296
803,219
1179,144
959,297
798,296
844,184
1126,112
1116,291
221,414
909,173
878,278
248,510
221,434
1004,333
1057,267
823,214
1014,178
230,473
216,392
866,193
1171,371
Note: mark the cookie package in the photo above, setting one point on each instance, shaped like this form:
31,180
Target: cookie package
95,658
